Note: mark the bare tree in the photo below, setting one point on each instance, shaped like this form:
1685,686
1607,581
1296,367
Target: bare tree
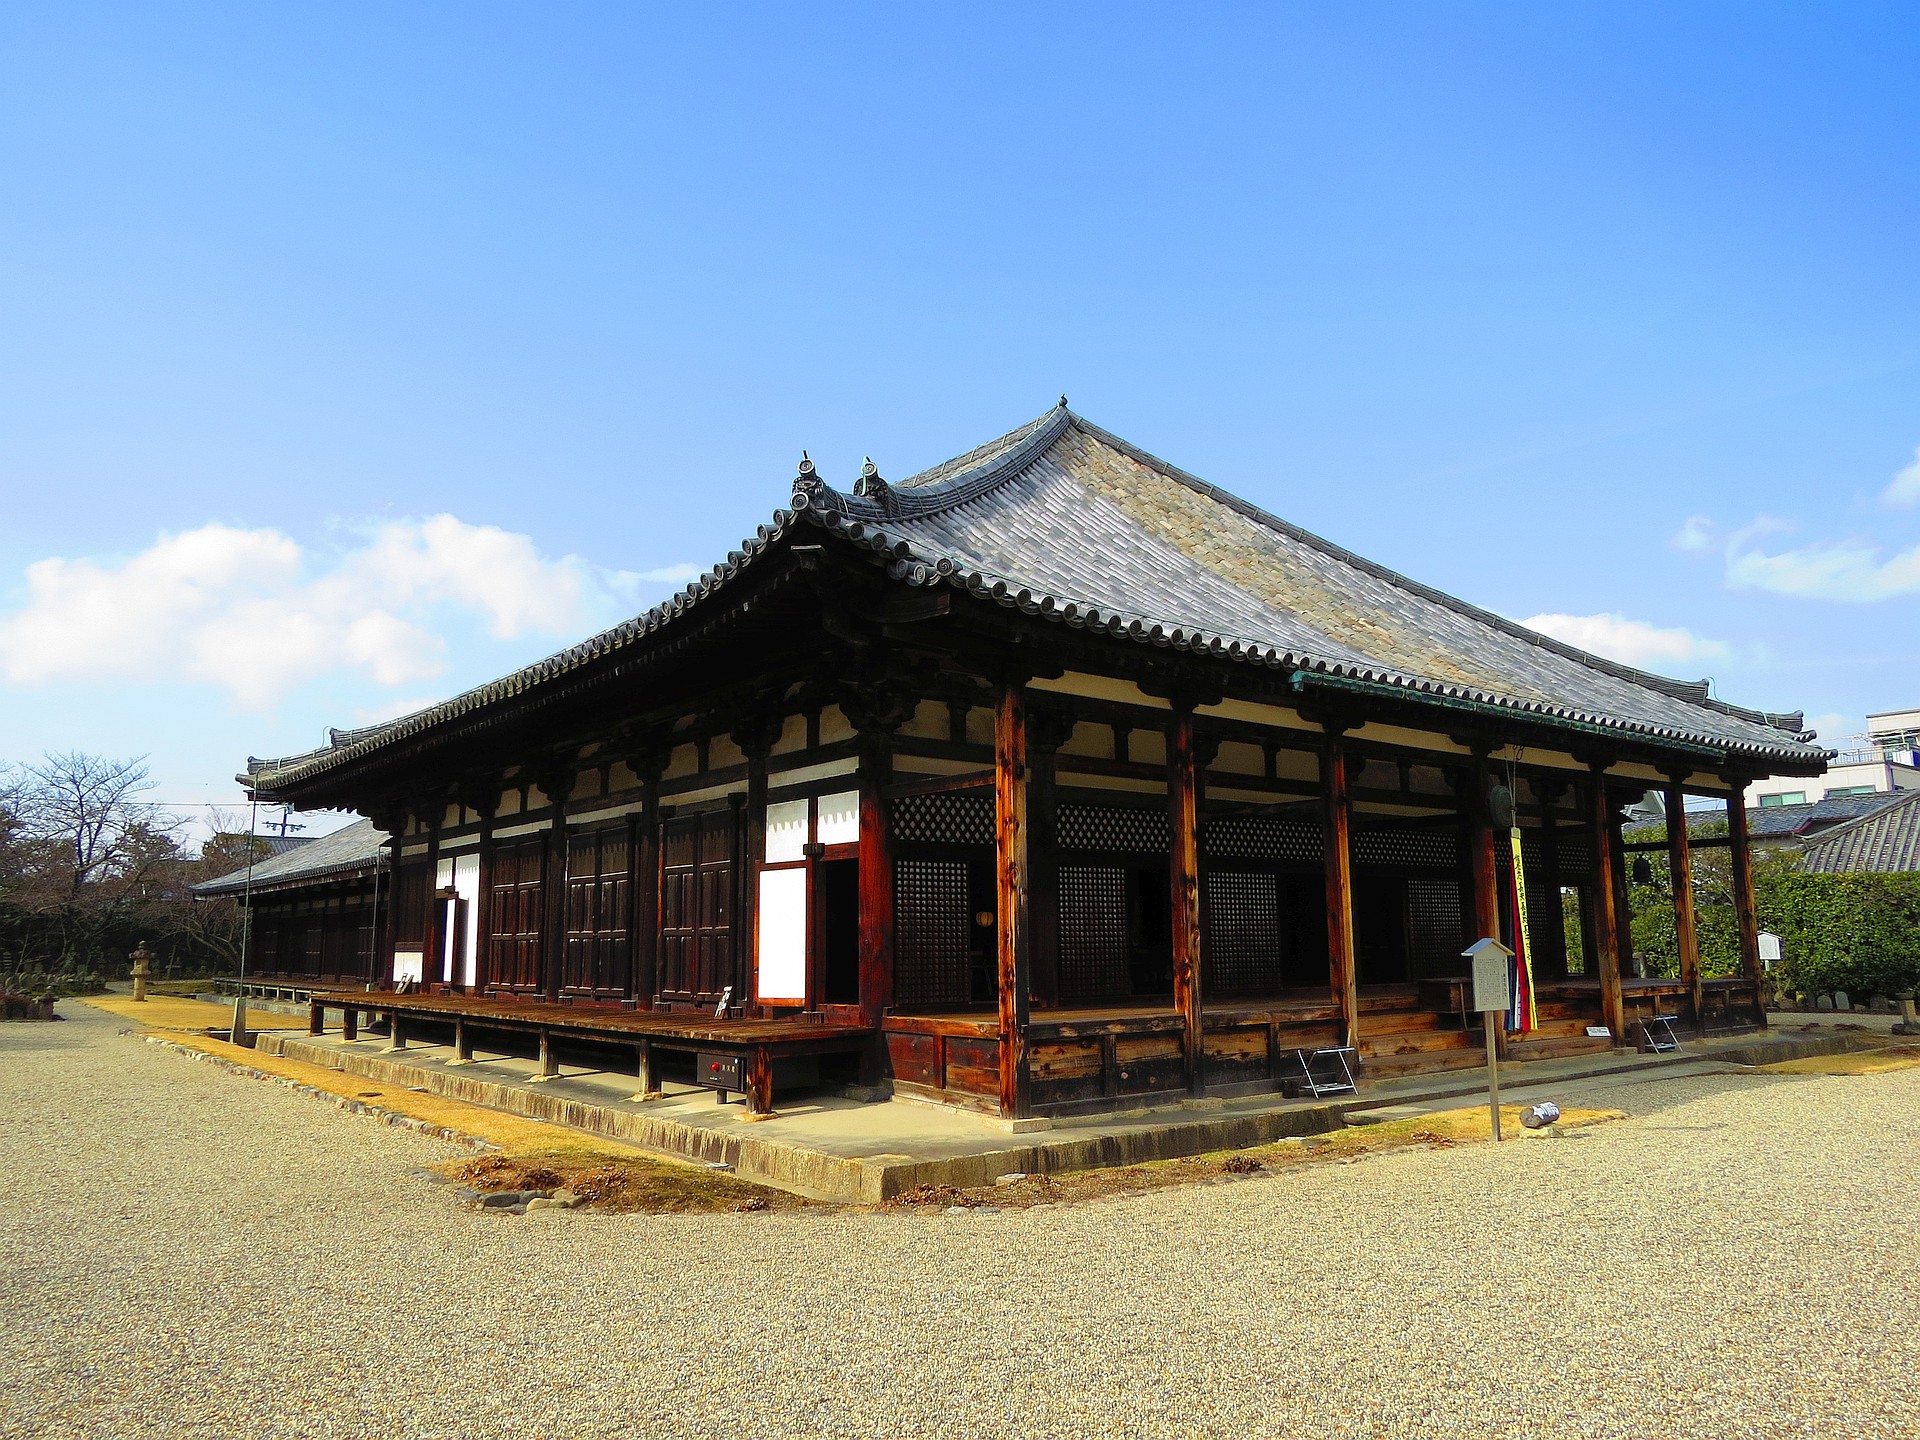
87,848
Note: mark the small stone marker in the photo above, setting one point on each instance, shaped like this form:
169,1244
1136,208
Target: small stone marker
1823,1002
1012,1178
1840,1000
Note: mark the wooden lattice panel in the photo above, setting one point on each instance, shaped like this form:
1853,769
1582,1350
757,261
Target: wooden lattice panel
1253,837
1406,849
950,818
1114,830
1093,933
1243,946
1435,937
931,931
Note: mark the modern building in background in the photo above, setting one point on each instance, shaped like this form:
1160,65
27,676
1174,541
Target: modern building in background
1889,762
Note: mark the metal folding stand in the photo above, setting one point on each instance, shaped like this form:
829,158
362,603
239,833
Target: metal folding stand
1325,1072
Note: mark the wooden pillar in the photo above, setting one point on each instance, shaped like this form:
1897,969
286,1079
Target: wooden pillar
1337,854
1483,865
1622,892
876,878
395,1039
549,1066
1606,921
433,962
1047,731
759,1081
644,931
1550,937
483,898
1183,869
555,781
753,850
1746,918
1014,901
349,1024
316,1017
1686,934
462,1043
649,1085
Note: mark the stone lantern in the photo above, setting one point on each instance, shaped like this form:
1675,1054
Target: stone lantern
142,968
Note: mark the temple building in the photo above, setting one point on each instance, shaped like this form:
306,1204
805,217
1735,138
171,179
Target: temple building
1050,780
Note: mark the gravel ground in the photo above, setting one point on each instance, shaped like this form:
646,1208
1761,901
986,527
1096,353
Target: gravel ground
186,1254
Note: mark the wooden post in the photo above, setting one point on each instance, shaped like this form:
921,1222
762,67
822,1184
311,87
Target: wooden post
1483,864
433,962
1337,850
395,1039
549,1066
649,1087
349,1024
1010,840
316,1018
1606,922
760,1082
1047,731
1686,935
645,934
876,879
483,899
1629,964
1183,868
555,780
1493,1028
1552,926
462,1043
1745,916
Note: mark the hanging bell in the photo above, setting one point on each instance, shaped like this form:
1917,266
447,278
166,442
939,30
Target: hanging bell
1642,870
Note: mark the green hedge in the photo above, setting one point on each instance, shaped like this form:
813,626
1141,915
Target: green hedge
1857,933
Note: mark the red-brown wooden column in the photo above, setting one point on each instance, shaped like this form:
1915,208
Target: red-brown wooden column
1686,933
1483,866
1047,731
1550,939
433,962
483,893
1337,849
644,893
1183,801
876,878
1010,842
1606,921
755,741
555,782
1744,913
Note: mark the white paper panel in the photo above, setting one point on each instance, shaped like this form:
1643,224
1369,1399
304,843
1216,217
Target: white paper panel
840,818
783,935
786,831
409,965
466,881
443,877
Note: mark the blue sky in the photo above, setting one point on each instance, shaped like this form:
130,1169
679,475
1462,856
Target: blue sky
350,355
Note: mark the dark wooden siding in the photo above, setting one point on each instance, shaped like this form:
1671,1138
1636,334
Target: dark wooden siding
697,879
598,958
514,898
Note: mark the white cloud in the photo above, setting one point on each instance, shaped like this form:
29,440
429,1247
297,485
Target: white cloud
235,609
1904,489
1696,534
1849,570
1632,642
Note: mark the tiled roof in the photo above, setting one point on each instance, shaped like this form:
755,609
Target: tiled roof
1885,841
1776,822
1066,522
359,848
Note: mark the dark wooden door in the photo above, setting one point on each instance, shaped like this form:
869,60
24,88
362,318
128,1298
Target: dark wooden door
597,961
696,908
514,901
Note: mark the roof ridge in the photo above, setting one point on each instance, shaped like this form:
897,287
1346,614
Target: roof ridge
917,496
1694,691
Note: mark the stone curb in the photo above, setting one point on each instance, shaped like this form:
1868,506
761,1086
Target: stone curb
340,1102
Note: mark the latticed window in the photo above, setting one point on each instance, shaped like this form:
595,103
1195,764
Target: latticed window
1114,829
963,817
1257,837
1095,953
932,932
1245,944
